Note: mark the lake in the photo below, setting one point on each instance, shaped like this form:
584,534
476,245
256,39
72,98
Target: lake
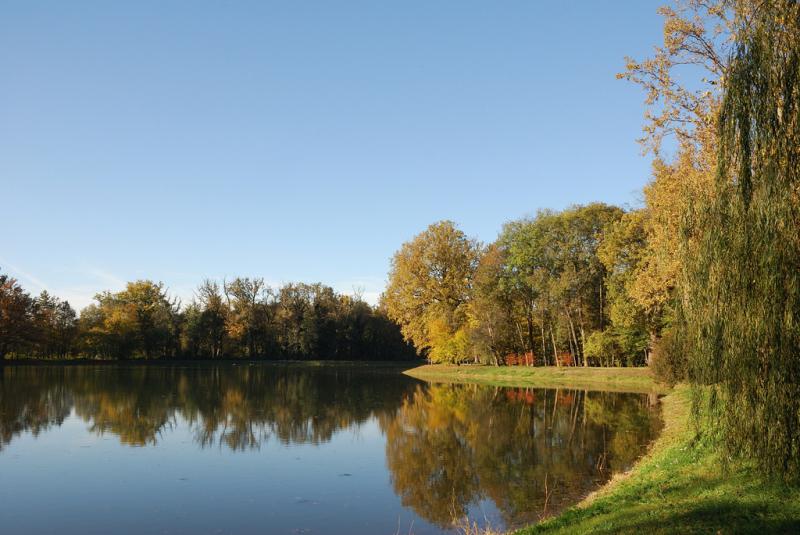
297,449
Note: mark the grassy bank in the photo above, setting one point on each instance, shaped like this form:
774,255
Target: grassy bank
678,487
613,379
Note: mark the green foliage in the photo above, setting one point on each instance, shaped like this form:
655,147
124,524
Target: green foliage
604,347
493,309
240,319
544,288
556,279
742,286
623,252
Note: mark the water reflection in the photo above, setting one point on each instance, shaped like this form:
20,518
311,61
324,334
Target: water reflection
239,407
450,450
528,451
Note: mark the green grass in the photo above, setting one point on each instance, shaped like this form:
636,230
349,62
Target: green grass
609,379
678,487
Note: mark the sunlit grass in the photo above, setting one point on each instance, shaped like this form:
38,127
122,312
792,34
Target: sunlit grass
608,379
680,487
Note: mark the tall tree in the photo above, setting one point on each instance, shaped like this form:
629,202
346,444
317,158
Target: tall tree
700,34
630,329
56,326
213,317
429,287
492,308
557,276
138,321
17,310
250,317
683,82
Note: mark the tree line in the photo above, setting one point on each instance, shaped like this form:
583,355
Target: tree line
551,290
242,318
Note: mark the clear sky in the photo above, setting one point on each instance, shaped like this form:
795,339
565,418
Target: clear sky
298,140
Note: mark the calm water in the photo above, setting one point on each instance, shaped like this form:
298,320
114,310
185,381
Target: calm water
296,449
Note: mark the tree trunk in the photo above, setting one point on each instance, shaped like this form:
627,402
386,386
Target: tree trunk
519,333
544,346
555,349
583,339
577,353
494,342
531,341
570,346
602,323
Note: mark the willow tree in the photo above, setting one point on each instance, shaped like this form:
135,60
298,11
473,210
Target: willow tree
741,293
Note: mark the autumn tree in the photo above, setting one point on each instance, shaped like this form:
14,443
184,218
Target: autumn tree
249,321
683,83
429,289
627,336
698,39
138,321
493,328
17,311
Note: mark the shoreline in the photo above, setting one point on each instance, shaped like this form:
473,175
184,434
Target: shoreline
634,380
210,361
678,486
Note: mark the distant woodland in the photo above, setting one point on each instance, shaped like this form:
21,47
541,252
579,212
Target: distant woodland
242,318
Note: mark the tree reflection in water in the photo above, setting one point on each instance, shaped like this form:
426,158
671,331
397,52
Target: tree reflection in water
448,447
236,406
529,451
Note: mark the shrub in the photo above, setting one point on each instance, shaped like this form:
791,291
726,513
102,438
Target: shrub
668,359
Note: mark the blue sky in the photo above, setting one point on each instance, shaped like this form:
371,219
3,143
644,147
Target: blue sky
300,140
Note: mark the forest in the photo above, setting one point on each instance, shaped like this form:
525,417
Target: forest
241,318
556,289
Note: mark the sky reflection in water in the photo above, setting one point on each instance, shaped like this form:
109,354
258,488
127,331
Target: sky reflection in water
296,449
